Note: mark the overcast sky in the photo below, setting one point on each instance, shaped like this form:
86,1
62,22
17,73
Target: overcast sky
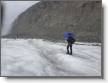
11,11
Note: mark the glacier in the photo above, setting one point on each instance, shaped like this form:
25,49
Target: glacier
38,57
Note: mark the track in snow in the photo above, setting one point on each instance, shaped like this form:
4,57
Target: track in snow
36,57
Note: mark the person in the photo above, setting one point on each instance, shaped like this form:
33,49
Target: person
70,37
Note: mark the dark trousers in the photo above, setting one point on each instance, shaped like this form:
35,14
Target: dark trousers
69,48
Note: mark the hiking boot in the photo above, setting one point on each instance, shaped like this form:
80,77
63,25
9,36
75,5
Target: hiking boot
70,53
67,52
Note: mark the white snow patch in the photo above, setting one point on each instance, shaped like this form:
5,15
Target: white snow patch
36,57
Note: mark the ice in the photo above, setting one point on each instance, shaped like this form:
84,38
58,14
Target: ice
38,57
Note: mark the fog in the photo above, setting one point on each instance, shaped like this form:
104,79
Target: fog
11,11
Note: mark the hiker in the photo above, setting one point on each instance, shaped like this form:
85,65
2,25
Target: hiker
70,37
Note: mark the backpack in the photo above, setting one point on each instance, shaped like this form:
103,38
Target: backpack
71,40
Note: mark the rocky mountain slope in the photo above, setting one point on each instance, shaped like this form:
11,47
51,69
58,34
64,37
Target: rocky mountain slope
50,19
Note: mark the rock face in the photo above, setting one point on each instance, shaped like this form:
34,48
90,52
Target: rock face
50,19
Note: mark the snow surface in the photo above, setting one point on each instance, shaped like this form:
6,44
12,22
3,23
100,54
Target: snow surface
37,57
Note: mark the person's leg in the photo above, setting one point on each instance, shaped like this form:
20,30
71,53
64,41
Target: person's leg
68,48
71,49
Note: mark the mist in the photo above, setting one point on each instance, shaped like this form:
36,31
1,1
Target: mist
12,9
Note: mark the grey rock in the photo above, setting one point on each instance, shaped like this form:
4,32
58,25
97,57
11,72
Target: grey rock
50,19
